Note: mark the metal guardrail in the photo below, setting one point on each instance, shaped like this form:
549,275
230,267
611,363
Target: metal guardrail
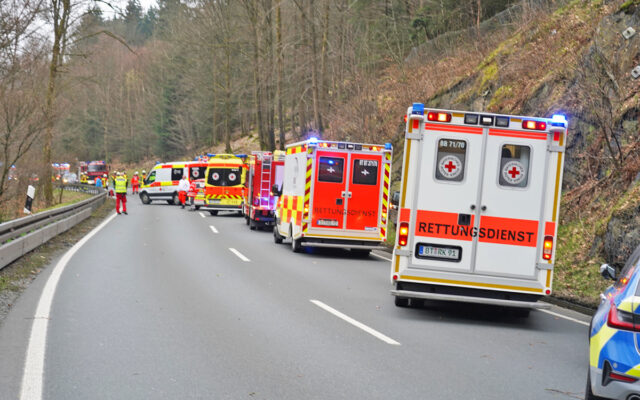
22,235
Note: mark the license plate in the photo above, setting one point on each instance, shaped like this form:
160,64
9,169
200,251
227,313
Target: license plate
327,222
214,201
445,253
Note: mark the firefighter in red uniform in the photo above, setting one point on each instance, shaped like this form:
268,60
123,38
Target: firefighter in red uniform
135,183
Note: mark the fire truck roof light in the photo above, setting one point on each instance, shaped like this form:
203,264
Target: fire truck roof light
388,146
313,141
417,108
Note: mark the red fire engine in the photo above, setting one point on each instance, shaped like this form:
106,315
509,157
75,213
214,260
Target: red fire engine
265,170
96,169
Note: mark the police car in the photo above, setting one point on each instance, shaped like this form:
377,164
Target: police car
614,336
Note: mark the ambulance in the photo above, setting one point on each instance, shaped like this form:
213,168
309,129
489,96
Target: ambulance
162,181
334,194
478,212
265,169
224,185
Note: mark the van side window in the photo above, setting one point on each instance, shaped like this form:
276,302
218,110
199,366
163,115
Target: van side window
450,161
331,169
197,172
514,165
176,173
150,178
365,172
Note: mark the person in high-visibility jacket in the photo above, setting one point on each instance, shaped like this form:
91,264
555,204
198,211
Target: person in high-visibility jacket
135,183
121,193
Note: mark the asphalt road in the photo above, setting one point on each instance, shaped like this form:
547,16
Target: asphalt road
156,305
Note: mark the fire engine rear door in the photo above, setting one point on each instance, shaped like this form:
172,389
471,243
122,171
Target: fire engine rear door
511,203
364,196
329,192
449,176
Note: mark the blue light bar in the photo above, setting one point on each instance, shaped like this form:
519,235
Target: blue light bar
313,141
417,108
211,155
559,118
388,146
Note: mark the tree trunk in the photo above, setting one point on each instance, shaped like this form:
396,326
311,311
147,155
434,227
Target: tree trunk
280,68
315,84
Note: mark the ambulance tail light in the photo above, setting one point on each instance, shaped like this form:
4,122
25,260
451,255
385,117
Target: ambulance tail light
403,234
405,118
439,117
621,319
534,125
547,248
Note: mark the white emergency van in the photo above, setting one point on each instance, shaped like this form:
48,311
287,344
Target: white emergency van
162,181
478,212
334,194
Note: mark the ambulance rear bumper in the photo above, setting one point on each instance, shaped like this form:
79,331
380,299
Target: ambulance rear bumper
344,245
470,299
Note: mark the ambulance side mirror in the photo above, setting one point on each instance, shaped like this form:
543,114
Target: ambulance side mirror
395,199
276,191
608,272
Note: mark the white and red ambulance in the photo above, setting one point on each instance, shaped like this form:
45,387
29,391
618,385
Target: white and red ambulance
478,212
162,181
334,194
265,169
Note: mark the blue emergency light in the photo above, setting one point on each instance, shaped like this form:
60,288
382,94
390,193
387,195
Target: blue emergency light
388,146
210,155
559,118
313,141
417,108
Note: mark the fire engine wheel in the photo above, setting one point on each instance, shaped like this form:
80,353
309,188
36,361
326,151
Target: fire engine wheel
521,312
213,212
402,302
276,235
246,219
144,197
252,225
295,243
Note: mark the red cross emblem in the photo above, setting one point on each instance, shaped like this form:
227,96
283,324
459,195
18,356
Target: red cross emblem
450,167
514,172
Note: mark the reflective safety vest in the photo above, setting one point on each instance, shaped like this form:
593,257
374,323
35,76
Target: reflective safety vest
121,185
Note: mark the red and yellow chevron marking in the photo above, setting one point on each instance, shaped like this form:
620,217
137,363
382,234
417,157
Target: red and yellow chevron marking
297,149
291,209
385,196
224,196
307,194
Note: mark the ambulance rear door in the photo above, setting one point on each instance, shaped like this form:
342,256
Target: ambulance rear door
364,196
512,202
329,189
447,184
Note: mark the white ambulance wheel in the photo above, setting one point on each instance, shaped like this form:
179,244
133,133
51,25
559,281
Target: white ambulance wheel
277,238
295,243
213,212
402,302
144,197
521,312
176,199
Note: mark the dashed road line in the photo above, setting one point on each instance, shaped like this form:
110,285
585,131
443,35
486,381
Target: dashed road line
565,317
240,255
379,256
213,228
33,375
202,214
355,323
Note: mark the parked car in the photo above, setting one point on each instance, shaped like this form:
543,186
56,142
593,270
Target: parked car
70,177
614,336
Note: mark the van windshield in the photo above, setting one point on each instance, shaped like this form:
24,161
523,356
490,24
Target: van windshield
224,176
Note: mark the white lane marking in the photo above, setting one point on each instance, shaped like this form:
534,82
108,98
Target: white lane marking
202,215
33,375
213,228
376,255
565,317
240,256
355,323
